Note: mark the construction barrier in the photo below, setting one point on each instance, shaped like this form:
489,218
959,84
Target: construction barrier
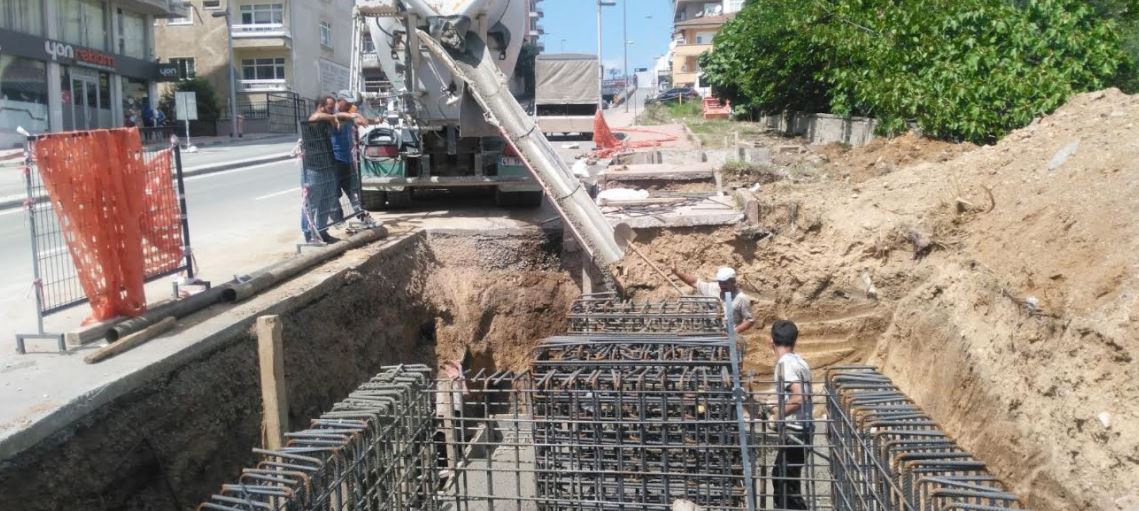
105,216
608,144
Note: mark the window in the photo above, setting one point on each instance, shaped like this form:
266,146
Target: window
325,34
185,67
211,4
369,45
263,69
263,14
23,95
132,34
25,16
181,14
83,22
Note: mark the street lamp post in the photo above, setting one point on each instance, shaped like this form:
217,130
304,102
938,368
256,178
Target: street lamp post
232,78
600,63
625,38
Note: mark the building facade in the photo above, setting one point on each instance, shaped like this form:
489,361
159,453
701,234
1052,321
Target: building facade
695,23
289,47
534,31
76,64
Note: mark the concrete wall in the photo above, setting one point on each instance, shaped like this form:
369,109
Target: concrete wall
822,128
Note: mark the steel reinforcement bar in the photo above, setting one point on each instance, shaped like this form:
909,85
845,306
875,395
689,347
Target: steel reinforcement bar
373,450
887,454
687,315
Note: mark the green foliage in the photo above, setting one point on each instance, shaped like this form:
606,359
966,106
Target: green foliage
206,96
525,67
961,69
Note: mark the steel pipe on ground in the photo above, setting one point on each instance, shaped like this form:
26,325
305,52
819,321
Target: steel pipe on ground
238,291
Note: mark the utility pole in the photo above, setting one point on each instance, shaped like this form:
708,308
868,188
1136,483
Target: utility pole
600,63
625,45
227,14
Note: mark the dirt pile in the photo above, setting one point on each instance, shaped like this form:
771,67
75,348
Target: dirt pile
1005,283
883,156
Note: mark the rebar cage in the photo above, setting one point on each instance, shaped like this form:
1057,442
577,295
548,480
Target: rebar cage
628,435
605,312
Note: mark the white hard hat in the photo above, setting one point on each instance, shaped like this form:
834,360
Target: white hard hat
725,274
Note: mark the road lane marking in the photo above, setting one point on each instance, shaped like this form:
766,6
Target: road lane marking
240,169
282,192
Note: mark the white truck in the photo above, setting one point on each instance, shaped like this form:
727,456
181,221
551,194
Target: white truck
565,92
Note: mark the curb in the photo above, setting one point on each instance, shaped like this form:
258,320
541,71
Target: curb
9,202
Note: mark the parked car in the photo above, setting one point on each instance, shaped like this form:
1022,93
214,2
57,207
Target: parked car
674,95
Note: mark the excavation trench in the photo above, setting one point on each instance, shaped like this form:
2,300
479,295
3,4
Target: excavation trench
488,297
172,440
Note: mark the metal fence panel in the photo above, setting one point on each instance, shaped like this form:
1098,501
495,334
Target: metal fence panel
56,279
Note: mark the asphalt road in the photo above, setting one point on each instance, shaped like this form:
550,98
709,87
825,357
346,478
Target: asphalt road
240,220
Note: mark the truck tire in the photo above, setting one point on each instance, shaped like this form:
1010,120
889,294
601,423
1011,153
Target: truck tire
400,199
517,199
374,200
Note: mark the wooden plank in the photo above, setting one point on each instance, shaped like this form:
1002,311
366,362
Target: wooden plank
274,401
131,341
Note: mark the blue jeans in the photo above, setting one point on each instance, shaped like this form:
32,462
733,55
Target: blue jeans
319,191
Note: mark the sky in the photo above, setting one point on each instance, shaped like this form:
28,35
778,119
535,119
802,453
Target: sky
575,23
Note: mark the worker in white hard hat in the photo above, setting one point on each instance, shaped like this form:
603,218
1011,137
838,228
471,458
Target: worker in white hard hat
725,283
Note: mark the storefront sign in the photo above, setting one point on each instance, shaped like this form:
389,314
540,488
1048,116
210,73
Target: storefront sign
30,46
169,72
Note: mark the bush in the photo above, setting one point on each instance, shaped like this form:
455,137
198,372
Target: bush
206,96
962,69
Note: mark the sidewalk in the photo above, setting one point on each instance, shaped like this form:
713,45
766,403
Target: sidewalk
214,154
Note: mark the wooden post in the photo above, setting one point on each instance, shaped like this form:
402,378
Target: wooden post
274,402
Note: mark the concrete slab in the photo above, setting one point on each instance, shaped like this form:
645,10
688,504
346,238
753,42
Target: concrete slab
659,172
692,213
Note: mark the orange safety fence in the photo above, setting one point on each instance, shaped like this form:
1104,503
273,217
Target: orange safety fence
118,212
608,144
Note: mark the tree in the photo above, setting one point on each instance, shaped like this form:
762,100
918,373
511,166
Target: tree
205,95
962,69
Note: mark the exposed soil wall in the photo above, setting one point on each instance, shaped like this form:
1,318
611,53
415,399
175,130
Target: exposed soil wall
174,440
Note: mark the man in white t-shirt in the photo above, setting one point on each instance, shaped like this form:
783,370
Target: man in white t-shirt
792,411
725,283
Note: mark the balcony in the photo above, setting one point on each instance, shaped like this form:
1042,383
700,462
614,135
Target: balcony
263,85
537,13
262,35
153,7
370,59
690,50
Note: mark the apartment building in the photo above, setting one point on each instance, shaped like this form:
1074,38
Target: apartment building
75,64
534,31
288,48
695,24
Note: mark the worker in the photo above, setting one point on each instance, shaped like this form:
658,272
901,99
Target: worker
792,414
318,171
343,151
725,283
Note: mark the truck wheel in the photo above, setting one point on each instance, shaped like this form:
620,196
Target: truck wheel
374,200
517,199
400,199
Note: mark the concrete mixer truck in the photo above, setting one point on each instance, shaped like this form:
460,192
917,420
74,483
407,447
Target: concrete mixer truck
435,135
450,119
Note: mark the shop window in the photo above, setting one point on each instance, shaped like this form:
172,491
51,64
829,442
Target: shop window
23,97
263,14
263,69
26,16
135,99
83,22
132,34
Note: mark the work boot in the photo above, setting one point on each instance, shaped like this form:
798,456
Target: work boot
328,239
